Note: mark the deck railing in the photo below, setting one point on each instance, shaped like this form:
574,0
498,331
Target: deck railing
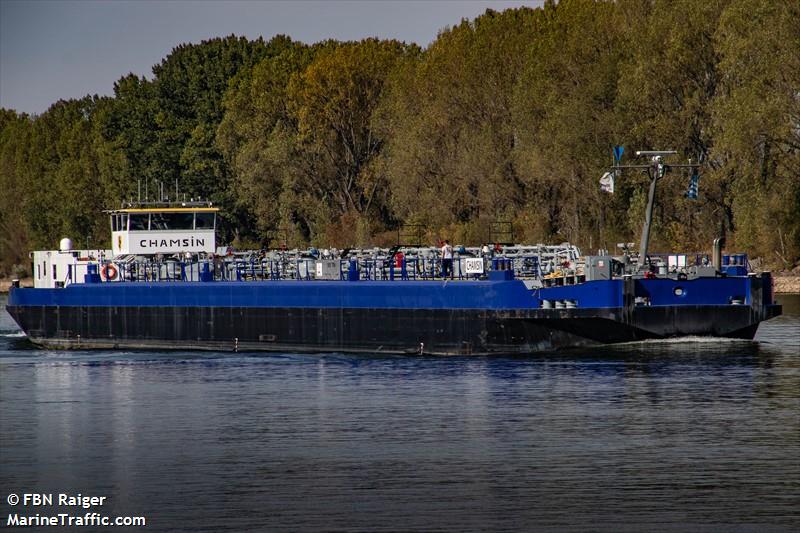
371,269
365,268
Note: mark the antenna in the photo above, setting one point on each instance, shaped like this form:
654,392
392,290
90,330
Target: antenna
655,153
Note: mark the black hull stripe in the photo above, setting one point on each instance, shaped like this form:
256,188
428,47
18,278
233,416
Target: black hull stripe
429,331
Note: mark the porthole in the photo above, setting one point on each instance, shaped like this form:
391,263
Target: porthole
678,291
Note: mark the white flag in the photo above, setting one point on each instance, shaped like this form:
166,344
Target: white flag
607,182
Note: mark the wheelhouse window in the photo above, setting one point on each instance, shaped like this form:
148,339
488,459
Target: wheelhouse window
139,221
181,221
158,221
117,223
171,221
205,220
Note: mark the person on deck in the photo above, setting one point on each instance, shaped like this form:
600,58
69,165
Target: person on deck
447,259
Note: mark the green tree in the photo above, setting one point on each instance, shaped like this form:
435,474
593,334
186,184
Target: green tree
508,116
15,133
256,135
53,169
188,89
130,125
665,95
757,124
448,119
566,119
333,101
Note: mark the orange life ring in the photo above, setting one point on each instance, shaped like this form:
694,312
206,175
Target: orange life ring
109,272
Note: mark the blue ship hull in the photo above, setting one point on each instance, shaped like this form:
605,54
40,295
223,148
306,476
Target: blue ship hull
428,317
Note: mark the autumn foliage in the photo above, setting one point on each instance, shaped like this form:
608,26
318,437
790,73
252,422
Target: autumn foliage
508,117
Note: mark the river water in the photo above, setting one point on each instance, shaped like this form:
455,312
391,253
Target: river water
697,435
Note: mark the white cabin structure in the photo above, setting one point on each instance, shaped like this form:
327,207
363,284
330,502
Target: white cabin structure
163,230
160,229
52,268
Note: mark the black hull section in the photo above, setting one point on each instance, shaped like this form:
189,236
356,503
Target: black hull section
403,331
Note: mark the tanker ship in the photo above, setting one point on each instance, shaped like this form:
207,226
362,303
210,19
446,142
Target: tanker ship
164,284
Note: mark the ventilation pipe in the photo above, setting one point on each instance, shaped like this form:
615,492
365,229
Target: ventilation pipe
719,242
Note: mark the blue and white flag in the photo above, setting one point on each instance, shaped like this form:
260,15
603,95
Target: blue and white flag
607,182
691,192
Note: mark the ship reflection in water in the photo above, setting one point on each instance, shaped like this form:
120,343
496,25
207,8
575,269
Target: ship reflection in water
656,435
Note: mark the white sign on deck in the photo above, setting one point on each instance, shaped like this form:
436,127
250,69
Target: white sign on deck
676,261
473,265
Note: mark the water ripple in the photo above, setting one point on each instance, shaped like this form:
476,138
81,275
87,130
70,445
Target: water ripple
681,435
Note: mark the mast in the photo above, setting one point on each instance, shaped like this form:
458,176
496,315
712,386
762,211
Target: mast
655,171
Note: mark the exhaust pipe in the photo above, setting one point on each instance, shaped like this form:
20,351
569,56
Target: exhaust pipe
719,242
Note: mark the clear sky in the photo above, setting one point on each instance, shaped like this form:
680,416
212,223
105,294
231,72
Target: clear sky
54,49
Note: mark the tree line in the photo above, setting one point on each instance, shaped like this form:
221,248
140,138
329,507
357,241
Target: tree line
508,117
